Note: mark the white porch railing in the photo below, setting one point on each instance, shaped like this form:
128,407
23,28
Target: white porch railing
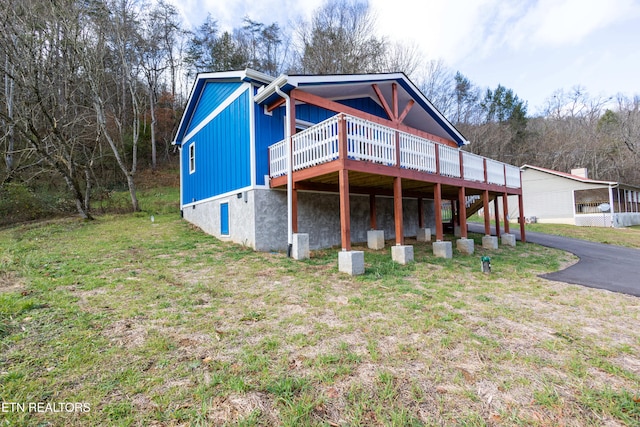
473,166
513,176
449,161
417,153
376,143
495,172
315,145
370,141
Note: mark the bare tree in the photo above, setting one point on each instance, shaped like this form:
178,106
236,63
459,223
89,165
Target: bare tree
115,89
340,40
402,57
46,108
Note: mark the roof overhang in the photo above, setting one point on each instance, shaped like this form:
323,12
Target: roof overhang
247,76
569,176
423,116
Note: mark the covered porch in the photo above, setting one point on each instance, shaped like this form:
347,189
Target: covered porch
357,153
349,155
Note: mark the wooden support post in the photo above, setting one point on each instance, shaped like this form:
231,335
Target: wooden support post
420,213
487,215
454,213
342,139
497,215
505,212
462,201
394,100
397,147
437,195
372,212
523,238
397,210
345,211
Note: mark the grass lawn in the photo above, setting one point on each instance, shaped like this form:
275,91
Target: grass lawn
158,324
629,236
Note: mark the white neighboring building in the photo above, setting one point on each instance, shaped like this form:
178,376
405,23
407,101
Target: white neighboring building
572,198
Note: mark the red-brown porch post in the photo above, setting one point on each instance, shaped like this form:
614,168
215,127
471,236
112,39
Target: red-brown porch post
487,215
420,213
523,238
454,214
372,211
497,215
345,210
505,212
462,201
397,209
437,196
343,176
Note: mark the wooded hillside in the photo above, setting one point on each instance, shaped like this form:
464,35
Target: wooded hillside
93,91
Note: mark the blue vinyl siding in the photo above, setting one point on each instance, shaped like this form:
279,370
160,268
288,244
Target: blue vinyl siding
223,155
367,105
212,95
312,114
269,130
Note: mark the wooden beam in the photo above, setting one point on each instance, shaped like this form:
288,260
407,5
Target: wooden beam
383,101
330,105
275,104
420,212
342,140
505,212
292,108
397,210
437,195
406,110
394,98
523,238
345,211
372,212
389,171
487,216
462,201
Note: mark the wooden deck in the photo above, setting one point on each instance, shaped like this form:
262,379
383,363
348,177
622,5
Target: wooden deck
352,155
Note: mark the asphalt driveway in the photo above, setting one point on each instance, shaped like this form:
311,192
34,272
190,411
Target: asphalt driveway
602,266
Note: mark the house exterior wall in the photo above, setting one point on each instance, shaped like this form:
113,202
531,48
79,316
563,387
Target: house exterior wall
222,144
549,198
258,218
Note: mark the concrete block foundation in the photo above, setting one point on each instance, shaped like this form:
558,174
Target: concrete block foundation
490,242
402,254
375,239
351,262
443,249
508,239
465,246
300,247
424,235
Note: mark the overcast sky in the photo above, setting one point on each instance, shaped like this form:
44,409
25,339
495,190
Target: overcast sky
534,47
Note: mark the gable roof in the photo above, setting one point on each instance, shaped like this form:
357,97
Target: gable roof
569,176
423,116
248,75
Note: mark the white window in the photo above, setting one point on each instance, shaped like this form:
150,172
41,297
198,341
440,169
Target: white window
192,157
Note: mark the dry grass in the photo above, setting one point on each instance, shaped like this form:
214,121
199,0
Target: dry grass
162,325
